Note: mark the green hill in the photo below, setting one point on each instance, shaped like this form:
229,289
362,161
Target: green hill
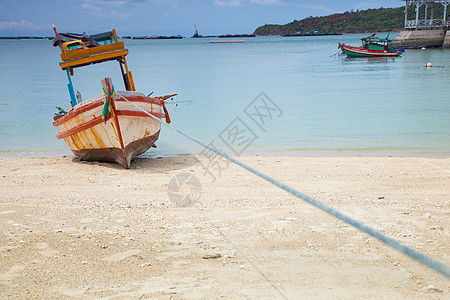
364,21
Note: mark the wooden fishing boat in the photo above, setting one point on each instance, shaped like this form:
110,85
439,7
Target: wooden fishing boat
371,47
114,126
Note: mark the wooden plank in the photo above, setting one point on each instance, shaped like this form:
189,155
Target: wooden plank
84,52
115,35
94,59
82,127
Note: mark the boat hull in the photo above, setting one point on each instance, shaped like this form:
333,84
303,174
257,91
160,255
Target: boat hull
125,134
360,52
117,155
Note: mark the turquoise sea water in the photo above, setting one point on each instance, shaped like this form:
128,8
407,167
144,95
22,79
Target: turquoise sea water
328,104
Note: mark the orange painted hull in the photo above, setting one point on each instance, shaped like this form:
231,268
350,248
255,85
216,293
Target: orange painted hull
124,135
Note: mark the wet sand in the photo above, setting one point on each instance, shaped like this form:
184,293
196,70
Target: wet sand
72,229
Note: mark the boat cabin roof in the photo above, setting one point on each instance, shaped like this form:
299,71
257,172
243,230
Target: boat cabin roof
79,50
374,39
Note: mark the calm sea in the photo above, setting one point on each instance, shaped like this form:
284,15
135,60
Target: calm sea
318,101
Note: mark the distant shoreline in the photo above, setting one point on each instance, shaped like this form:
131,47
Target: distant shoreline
25,38
182,37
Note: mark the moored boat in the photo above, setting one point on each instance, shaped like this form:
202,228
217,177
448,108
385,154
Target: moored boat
114,126
371,47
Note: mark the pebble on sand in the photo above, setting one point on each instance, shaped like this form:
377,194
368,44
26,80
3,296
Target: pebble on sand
212,256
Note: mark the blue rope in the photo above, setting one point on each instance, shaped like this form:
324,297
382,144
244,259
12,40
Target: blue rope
391,242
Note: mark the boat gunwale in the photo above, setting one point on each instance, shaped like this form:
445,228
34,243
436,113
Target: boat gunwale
98,120
89,106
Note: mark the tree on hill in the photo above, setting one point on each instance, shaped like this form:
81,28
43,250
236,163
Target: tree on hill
364,21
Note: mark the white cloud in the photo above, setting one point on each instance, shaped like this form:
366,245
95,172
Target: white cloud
368,4
234,3
111,9
119,15
227,3
117,8
265,2
152,1
362,5
106,3
90,7
21,25
317,7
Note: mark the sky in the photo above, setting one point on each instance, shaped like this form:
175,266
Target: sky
164,17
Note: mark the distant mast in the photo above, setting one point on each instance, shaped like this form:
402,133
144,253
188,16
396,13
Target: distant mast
196,31
196,35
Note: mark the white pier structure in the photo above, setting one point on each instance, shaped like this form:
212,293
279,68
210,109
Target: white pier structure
429,22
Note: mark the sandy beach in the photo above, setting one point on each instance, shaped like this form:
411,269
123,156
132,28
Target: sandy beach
72,229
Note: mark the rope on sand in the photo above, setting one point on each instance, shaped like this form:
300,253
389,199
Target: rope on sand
441,268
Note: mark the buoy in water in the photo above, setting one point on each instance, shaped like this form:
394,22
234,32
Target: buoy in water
428,65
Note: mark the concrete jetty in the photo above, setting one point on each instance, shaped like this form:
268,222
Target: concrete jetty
422,38
425,30
446,43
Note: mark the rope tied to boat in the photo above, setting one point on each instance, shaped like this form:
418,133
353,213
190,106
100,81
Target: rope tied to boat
424,259
107,106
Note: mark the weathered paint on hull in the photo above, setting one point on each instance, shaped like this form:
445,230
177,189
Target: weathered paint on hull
121,138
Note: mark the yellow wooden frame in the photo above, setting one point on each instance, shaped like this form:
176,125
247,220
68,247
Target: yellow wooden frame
93,58
74,58
84,52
